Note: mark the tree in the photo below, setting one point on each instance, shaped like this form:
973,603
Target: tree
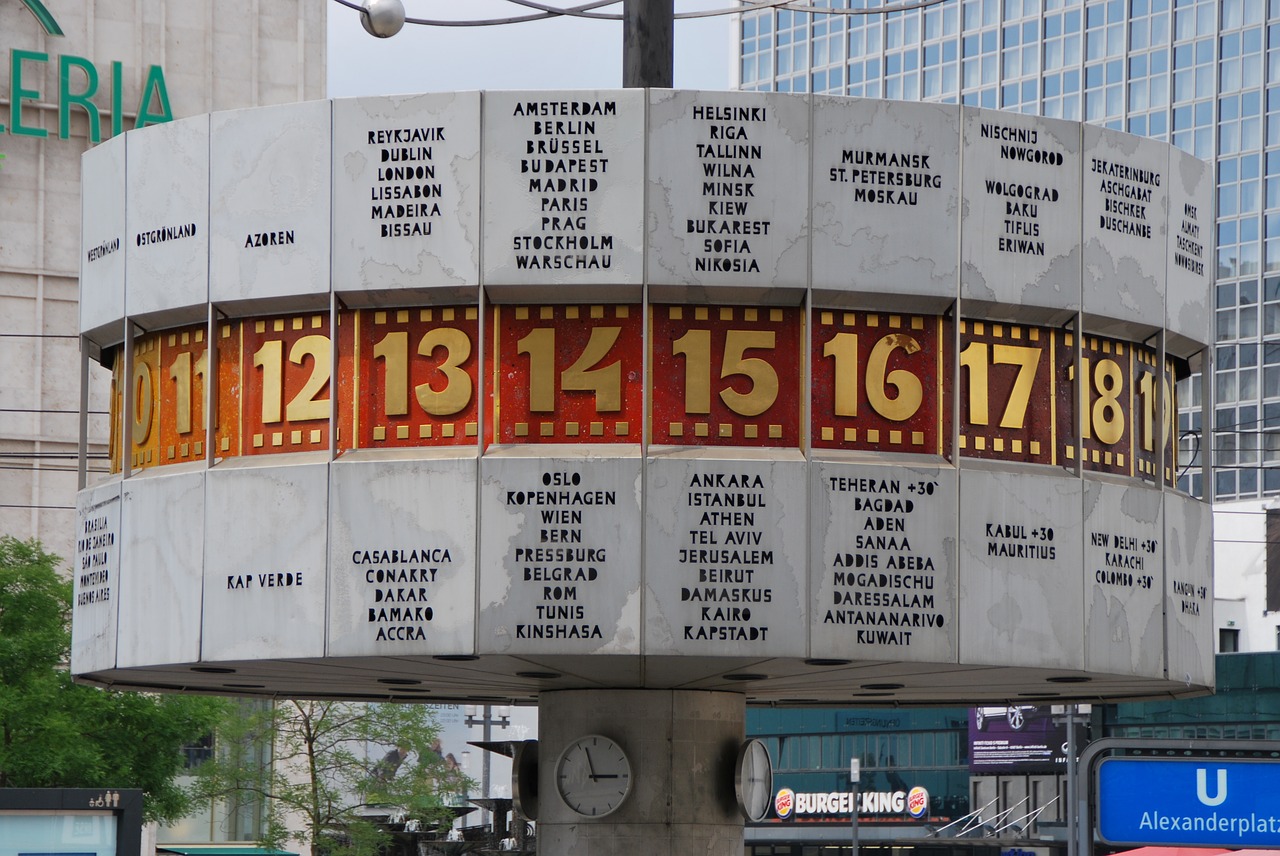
337,768
55,733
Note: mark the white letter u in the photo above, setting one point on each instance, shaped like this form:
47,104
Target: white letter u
1201,783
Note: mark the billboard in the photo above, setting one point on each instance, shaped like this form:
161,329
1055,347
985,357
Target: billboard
1016,738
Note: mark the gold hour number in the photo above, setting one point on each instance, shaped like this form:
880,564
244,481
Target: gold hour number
182,373
306,404
393,350
843,348
1146,389
143,405
977,358
695,347
605,381
1104,417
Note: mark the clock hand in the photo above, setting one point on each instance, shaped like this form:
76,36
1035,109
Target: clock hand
590,767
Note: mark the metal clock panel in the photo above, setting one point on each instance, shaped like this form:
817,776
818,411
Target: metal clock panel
593,776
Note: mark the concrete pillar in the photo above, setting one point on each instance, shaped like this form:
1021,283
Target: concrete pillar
648,43
682,747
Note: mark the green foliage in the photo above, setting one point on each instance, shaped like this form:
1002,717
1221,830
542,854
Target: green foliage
55,733
336,764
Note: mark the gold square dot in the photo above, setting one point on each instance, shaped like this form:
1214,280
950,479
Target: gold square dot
379,432
1035,447
471,313
895,321
979,443
1070,452
827,318
447,314
277,438
750,314
873,435
226,331
571,312
295,438
424,432
917,322
173,340
873,320
1034,335
522,313
895,438
295,323
1093,343
1015,446
1015,333
278,325
257,441
997,444
199,336
470,429
424,314
699,313
597,429
226,444
964,442
402,432
726,313
997,331
622,429
850,319
317,321
150,455
1106,458
675,429
1119,460
851,435
1097,456
700,429
546,313
402,316
571,429
828,433
1119,349
775,315
186,450
978,327
260,327
964,326
315,436
1106,346
172,452
522,429
675,313
775,432
186,337
380,317
597,311
750,432
726,429
447,430
917,438
547,429
622,312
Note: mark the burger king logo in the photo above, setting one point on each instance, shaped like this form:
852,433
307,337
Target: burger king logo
784,803
917,802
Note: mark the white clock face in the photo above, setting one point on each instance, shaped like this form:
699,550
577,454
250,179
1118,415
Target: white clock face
755,780
593,775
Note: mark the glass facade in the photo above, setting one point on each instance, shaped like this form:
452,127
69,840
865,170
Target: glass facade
1202,74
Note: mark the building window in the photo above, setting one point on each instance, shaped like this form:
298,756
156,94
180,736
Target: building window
1228,640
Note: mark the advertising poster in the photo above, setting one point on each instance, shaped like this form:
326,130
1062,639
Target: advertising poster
1017,738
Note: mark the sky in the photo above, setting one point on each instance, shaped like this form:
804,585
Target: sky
561,53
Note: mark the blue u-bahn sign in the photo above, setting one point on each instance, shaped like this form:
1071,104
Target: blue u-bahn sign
1189,802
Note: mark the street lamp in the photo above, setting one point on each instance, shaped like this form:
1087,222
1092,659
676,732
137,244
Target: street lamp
487,716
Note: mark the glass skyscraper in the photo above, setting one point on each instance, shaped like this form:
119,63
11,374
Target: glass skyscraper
1202,74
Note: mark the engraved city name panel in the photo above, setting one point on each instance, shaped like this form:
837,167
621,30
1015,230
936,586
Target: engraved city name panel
96,578
1020,578
1189,254
168,215
560,553
886,196
883,563
1020,229
102,240
725,555
402,577
264,575
1188,530
1125,198
564,190
406,175
163,521
269,189
726,199
1124,579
